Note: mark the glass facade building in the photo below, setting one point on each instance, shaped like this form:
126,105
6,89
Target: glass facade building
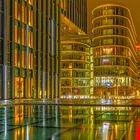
75,69
76,12
75,64
29,48
114,53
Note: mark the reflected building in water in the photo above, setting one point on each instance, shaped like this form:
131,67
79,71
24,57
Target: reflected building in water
69,122
114,53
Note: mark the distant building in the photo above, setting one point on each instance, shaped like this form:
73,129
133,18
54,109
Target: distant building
75,49
114,53
75,69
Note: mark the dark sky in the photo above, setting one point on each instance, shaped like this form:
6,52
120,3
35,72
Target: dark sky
133,5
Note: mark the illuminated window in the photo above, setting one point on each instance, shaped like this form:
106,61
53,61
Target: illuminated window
30,17
107,51
23,36
16,33
25,18
16,10
108,41
30,2
107,21
17,58
29,39
108,12
31,60
108,31
23,13
23,58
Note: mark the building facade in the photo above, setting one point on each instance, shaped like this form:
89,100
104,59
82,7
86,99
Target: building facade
76,12
47,48
29,48
114,53
75,51
75,69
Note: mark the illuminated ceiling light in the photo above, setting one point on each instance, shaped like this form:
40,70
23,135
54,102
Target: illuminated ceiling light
65,27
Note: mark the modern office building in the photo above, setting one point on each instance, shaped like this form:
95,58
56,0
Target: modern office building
75,69
75,51
47,48
29,48
76,12
114,52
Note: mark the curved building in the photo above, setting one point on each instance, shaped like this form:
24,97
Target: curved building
75,69
114,52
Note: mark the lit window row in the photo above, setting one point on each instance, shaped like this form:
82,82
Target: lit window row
75,47
121,81
23,14
74,73
112,40
75,82
111,31
76,56
111,61
123,51
26,38
74,91
115,20
111,71
111,10
75,65
23,59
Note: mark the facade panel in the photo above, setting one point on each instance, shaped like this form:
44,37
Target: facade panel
29,47
114,53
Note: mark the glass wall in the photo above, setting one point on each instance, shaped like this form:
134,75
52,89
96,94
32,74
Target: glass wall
114,54
75,65
23,48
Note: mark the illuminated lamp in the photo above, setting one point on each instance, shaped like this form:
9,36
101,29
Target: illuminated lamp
138,47
138,130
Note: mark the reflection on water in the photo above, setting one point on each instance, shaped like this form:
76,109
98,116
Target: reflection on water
32,122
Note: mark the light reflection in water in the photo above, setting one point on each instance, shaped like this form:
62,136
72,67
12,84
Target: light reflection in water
68,122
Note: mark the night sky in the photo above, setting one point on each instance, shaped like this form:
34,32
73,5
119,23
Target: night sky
133,5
